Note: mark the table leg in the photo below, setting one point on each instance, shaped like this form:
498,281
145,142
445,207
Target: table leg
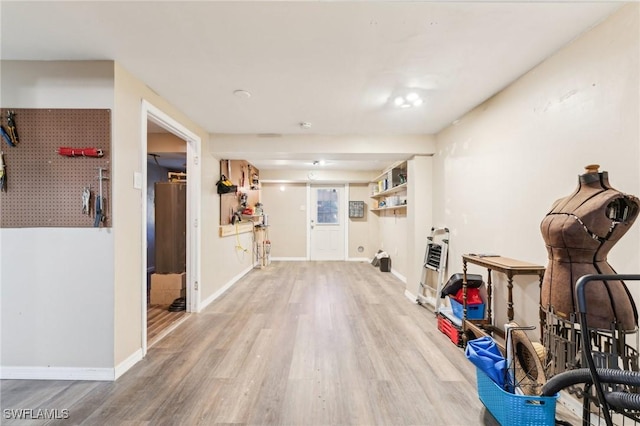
510,297
543,315
464,291
489,297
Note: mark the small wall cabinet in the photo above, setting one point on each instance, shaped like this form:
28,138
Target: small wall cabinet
389,189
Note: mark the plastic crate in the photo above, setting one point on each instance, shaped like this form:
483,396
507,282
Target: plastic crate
473,311
515,410
450,329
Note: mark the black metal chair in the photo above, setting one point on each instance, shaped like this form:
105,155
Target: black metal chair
611,397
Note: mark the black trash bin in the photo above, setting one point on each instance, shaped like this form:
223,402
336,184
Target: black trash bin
385,264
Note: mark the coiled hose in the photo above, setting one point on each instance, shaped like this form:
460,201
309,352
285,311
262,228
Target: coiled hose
625,400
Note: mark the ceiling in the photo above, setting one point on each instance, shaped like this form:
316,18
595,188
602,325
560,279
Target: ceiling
335,64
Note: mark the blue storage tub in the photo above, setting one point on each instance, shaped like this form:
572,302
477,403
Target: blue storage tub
515,410
473,311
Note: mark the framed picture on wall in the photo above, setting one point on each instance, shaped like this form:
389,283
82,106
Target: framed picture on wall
356,209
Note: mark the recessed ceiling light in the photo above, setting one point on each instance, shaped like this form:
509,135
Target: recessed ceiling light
242,93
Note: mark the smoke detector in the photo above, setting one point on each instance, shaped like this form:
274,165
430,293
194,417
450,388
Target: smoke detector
244,94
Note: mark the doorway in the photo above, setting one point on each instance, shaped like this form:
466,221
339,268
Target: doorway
185,157
166,231
327,222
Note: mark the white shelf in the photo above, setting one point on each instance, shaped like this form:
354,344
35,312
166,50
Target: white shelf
393,190
399,207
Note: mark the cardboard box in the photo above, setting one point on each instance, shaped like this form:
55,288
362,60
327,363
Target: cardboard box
165,288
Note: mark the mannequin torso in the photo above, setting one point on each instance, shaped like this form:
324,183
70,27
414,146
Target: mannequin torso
579,231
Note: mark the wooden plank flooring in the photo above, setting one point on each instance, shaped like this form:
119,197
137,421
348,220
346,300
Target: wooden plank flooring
297,343
160,321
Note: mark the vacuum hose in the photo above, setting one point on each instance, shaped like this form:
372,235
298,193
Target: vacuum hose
626,400
605,375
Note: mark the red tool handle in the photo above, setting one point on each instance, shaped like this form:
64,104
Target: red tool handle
80,152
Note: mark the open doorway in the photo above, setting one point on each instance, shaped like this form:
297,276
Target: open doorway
166,231
170,224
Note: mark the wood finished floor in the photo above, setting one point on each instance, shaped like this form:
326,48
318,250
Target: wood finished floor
297,343
160,321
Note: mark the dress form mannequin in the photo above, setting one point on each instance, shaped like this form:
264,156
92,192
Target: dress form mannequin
578,232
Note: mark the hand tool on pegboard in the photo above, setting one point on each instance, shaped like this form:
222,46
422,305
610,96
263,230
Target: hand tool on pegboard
100,201
80,152
10,132
86,200
5,135
3,173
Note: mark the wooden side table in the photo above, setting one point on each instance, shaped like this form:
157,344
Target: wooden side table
507,266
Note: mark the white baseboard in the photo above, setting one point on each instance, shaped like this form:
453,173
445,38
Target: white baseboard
359,259
411,296
399,276
125,365
206,302
56,373
289,259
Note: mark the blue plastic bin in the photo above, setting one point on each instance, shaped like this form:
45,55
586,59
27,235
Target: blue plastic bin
473,311
515,410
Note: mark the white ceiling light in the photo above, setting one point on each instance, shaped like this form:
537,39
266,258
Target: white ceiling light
411,99
305,125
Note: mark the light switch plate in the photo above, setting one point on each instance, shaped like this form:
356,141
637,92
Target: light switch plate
137,180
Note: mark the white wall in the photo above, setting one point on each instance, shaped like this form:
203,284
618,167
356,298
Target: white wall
56,283
287,210
419,217
363,232
499,169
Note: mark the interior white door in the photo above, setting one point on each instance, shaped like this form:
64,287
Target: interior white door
327,235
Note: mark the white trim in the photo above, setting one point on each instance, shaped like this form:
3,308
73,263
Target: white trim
359,259
399,276
289,259
410,296
345,218
194,255
308,224
143,228
125,365
227,286
57,373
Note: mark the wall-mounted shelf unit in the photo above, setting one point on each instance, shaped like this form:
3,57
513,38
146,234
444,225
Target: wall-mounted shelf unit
389,189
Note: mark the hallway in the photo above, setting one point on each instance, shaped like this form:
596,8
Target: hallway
297,343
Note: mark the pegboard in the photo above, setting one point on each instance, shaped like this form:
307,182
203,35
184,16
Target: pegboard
44,189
